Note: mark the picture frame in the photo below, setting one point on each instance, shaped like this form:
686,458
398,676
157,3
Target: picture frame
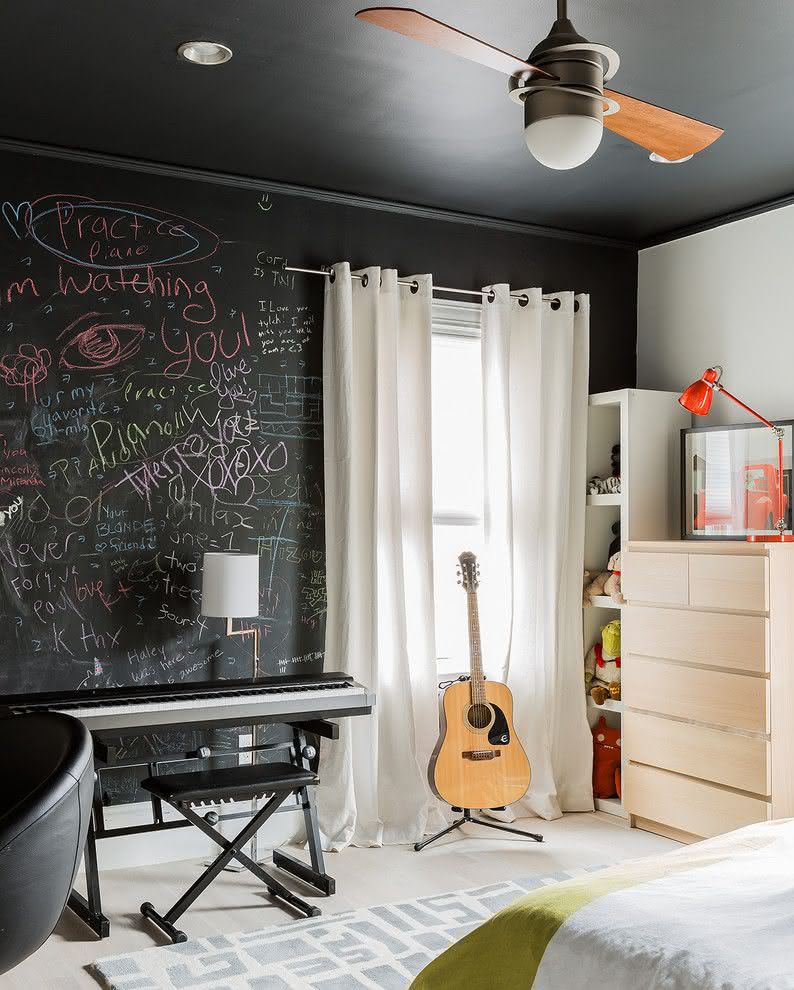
729,480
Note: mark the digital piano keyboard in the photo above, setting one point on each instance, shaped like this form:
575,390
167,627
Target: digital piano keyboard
303,703
211,703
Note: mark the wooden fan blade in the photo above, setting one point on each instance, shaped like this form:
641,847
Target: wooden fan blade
418,26
668,134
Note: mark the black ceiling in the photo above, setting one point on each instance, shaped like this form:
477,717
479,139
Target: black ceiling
316,98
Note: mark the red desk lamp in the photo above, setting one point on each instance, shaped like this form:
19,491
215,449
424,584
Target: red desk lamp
697,399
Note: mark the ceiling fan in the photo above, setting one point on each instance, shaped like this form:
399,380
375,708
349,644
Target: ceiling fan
561,85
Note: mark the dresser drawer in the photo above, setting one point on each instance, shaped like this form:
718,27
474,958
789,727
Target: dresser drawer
738,642
656,577
723,581
689,805
736,701
712,754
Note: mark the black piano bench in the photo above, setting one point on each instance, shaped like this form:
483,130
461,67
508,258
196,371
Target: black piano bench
243,783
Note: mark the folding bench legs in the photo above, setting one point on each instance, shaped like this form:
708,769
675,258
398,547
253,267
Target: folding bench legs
231,850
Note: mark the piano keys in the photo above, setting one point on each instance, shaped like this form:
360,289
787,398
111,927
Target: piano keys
209,704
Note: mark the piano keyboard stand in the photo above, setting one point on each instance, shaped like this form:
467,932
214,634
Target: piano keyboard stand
303,703
282,780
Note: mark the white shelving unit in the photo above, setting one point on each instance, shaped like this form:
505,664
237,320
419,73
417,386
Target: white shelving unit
604,500
647,426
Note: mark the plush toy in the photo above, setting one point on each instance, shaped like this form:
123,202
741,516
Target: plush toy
614,546
603,486
587,580
606,760
603,583
602,665
615,459
612,586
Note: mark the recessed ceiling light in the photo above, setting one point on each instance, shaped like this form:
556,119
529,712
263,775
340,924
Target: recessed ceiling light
204,52
661,160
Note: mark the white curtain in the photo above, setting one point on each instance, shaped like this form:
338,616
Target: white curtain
535,381
378,512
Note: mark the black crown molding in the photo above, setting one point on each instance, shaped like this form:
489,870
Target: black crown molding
307,192
384,205
766,206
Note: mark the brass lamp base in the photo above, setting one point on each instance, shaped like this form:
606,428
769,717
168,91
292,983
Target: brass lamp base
253,631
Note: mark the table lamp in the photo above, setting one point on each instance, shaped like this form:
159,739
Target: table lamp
230,590
697,399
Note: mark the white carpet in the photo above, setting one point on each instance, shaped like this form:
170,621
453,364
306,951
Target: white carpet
378,948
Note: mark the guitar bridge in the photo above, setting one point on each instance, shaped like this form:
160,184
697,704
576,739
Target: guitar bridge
481,754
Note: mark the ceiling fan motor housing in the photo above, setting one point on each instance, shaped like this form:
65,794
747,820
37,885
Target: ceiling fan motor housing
581,69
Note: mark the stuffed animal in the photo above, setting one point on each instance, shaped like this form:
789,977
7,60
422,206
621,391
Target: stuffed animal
602,665
614,546
606,760
615,459
603,583
587,580
612,586
603,486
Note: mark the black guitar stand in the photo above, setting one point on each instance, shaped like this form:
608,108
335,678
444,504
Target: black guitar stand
468,817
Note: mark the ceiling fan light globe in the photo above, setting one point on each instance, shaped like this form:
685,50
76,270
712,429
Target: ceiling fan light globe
565,141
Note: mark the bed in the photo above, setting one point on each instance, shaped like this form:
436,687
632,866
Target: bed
718,915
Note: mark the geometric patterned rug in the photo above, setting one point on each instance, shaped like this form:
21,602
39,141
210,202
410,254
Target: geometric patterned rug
377,948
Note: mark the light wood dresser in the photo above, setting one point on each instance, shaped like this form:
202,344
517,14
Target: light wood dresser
708,685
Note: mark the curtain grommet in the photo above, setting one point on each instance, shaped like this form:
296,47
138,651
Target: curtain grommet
576,305
414,287
491,296
332,277
555,304
365,280
523,300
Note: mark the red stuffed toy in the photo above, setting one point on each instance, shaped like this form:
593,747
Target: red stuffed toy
606,760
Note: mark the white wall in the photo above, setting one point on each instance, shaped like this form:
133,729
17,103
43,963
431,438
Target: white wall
725,296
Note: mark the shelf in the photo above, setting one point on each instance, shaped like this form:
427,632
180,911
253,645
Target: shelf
605,499
614,398
603,601
608,706
611,806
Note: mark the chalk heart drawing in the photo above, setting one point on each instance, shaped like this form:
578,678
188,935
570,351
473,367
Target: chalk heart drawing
26,369
94,344
17,216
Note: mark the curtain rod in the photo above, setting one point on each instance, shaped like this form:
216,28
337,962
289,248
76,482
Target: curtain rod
481,293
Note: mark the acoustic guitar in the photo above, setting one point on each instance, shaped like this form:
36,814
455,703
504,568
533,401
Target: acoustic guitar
478,761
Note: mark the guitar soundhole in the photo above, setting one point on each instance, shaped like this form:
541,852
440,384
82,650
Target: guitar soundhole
479,716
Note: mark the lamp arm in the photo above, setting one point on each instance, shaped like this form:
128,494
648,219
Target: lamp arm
780,525
743,405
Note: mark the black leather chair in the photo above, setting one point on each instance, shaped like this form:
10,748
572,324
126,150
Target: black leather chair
46,785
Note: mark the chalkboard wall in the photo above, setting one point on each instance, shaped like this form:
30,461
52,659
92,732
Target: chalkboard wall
160,396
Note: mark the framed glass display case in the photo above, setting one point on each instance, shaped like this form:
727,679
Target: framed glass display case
729,480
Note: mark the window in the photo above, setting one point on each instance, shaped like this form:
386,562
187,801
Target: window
457,469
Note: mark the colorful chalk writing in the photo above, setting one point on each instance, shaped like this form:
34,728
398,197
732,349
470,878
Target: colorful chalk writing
160,397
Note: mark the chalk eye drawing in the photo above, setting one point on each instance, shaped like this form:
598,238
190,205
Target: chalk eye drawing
26,369
94,345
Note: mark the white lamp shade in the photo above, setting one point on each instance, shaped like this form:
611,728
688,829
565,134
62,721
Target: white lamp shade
230,585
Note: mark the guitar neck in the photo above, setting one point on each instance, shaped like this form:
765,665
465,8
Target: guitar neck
475,649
